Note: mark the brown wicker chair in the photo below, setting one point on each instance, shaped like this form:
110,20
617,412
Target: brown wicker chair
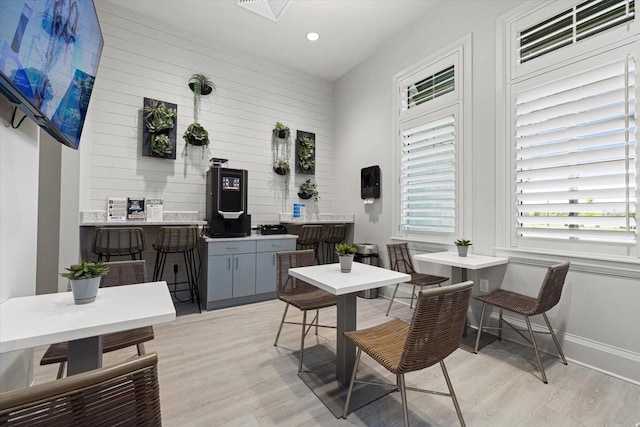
548,296
299,294
118,241
400,260
120,273
434,333
179,240
122,394
333,234
309,238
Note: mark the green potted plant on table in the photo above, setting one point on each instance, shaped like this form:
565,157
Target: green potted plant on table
85,280
463,246
345,254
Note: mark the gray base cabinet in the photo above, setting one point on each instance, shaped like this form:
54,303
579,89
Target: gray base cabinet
240,271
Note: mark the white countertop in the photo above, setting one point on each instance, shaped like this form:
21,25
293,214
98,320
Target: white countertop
31,321
328,277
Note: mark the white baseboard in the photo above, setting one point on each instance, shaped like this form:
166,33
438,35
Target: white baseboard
601,357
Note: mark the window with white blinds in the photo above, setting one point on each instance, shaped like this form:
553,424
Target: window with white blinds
573,25
576,156
428,178
431,87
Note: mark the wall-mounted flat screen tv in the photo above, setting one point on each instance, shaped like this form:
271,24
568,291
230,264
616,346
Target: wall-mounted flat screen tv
49,55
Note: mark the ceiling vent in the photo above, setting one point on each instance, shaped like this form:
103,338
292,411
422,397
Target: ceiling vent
270,9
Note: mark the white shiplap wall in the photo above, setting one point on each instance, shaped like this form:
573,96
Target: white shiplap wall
142,58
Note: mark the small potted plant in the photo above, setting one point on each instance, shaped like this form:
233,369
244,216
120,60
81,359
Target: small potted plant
196,135
281,167
85,280
281,130
345,253
200,84
463,246
308,190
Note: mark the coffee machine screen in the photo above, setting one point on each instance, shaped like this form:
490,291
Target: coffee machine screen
230,183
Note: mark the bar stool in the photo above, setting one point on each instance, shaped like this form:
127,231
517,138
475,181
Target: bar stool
176,240
118,241
309,238
333,234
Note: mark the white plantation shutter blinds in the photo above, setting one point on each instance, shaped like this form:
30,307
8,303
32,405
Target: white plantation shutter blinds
428,176
576,156
431,87
572,25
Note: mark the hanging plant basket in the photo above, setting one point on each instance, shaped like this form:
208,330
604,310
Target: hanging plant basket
206,90
305,196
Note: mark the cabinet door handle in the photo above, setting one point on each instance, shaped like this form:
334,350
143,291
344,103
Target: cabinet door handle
275,246
274,259
228,263
236,263
232,247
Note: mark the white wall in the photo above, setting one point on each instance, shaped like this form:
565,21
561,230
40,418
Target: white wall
18,230
598,309
142,58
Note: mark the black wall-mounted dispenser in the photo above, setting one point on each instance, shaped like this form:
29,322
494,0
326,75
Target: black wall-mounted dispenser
370,182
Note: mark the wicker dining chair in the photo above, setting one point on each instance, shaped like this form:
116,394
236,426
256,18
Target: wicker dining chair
179,240
118,241
120,273
434,333
300,294
548,297
125,394
400,260
333,234
309,238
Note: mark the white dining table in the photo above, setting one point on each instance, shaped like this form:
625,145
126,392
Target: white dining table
462,264
345,286
32,321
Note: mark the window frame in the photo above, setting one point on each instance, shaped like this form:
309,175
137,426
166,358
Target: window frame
458,103
599,49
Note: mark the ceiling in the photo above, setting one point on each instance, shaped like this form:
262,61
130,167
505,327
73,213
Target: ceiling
350,30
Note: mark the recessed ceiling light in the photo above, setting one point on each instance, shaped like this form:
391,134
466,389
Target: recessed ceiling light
313,36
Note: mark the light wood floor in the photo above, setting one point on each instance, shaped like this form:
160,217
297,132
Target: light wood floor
220,368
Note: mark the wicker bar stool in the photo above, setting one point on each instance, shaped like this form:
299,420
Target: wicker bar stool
310,238
118,241
178,240
333,234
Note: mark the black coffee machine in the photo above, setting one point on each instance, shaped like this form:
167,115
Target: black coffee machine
227,202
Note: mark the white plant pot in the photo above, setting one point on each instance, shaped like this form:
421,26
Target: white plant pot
345,263
85,290
462,250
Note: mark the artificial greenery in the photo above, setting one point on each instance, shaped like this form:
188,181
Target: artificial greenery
281,167
281,130
196,135
462,242
345,249
160,144
305,153
200,84
86,270
308,190
158,117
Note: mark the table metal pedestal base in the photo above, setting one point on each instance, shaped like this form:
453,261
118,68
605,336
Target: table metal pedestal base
321,380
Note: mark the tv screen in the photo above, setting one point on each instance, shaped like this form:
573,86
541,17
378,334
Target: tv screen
49,55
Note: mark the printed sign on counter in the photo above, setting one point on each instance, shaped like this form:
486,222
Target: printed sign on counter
116,209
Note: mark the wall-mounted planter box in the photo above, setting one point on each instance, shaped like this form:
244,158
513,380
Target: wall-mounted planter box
305,153
159,123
